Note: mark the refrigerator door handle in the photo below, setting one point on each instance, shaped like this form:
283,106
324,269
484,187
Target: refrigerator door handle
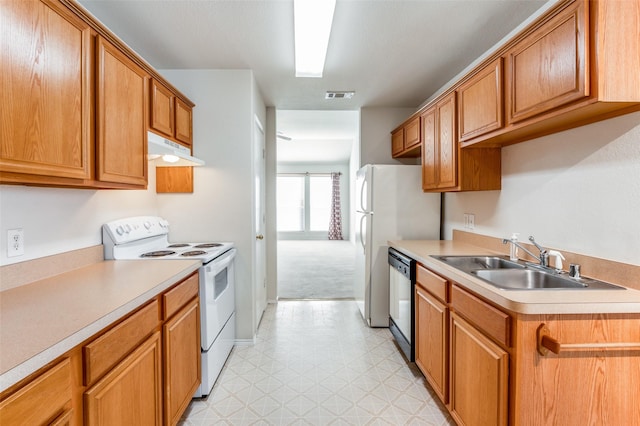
363,188
364,216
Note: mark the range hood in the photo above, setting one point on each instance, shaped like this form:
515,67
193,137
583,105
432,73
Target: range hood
165,153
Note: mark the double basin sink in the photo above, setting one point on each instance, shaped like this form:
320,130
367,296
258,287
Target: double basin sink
517,275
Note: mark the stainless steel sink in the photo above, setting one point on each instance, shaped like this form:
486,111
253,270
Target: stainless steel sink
472,263
517,275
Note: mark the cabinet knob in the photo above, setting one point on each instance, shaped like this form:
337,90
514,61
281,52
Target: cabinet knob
259,237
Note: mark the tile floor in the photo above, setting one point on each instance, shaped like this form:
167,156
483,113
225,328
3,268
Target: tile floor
316,363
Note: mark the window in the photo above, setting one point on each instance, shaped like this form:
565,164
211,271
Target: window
304,203
291,201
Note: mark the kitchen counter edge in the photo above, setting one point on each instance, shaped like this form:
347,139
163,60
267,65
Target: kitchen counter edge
527,302
165,275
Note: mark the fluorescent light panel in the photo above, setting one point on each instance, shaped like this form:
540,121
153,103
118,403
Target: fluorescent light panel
312,20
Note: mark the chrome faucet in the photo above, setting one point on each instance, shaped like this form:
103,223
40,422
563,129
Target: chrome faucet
544,253
543,257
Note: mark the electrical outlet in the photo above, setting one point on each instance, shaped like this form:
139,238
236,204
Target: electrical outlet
472,221
15,242
466,220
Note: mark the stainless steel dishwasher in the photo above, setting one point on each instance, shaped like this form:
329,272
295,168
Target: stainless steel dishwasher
402,273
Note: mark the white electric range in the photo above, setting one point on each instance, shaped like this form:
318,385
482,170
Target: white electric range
147,237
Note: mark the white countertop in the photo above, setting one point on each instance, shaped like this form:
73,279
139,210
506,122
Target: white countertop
553,301
43,320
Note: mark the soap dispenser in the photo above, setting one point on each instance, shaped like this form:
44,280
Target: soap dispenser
513,254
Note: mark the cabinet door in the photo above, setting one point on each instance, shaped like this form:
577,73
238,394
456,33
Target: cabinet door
412,133
429,150
131,393
44,400
447,156
122,88
479,377
162,105
46,91
397,142
547,69
480,108
431,341
182,360
184,122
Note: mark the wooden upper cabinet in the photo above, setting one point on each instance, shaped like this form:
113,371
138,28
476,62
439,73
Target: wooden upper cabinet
447,167
405,140
480,105
122,93
548,68
170,115
46,92
397,142
184,122
440,146
447,142
162,109
429,149
412,133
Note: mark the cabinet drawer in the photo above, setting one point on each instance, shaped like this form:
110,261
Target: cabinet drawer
105,351
432,282
178,296
492,321
43,400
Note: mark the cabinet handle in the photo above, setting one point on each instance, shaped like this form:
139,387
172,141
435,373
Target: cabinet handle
547,343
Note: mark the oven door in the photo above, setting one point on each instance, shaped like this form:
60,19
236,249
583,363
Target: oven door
217,295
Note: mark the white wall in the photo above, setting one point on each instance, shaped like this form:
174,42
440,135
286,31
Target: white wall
57,220
578,190
376,125
271,235
221,206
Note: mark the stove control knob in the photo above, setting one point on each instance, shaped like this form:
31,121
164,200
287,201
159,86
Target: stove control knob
147,225
127,228
120,230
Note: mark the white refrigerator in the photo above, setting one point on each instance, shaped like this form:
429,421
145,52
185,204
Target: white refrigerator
390,205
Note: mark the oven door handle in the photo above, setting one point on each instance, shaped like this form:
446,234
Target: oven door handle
218,264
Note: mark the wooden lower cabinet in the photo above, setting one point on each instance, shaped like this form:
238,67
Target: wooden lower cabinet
45,400
431,341
131,393
584,384
181,360
479,392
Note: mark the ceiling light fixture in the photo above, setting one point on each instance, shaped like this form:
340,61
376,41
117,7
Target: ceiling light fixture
312,23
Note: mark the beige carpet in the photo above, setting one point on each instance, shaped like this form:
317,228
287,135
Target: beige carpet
315,269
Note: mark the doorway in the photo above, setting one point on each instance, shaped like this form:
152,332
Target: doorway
314,261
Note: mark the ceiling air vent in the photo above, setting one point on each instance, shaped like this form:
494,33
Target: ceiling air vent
339,95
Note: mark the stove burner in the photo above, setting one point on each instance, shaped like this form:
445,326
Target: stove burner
158,253
208,245
178,245
193,253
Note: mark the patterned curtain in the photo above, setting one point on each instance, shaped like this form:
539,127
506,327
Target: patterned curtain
335,223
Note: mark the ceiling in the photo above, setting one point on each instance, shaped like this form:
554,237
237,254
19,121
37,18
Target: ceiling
393,53
316,136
